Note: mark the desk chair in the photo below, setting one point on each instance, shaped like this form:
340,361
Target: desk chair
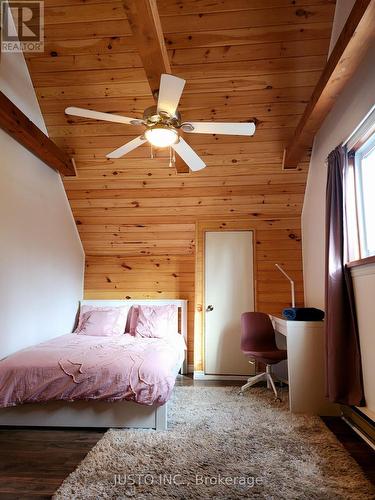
258,342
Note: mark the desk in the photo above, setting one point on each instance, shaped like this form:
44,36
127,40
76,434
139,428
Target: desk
305,366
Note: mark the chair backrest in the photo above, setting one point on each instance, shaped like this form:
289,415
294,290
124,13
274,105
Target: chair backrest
257,333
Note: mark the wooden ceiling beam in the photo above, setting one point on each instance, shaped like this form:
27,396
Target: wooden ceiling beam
15,123
351,46
144,20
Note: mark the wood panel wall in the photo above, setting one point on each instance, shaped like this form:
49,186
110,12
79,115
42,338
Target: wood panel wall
181,276
143,277
243,60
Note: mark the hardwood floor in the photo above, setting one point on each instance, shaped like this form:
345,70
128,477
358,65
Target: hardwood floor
362,453
34,462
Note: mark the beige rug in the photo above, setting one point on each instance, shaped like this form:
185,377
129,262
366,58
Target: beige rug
223,446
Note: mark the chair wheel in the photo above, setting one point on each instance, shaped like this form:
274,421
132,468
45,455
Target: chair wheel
240,393
277,400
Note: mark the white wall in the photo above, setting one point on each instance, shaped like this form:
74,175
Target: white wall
351,107
342,11
349,110
41,256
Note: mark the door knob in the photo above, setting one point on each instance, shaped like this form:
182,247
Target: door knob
209,308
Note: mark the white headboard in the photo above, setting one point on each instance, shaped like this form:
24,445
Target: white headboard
181,305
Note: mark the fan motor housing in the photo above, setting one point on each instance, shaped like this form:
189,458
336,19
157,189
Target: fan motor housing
151,116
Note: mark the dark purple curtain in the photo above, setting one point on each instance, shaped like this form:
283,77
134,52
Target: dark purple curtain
343,361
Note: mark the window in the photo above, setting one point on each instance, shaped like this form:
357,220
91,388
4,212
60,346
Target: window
365,186
360,190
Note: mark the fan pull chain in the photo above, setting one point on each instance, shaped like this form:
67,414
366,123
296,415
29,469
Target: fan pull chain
170,157
151,152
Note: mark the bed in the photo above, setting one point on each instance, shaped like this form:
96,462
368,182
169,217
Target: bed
70,405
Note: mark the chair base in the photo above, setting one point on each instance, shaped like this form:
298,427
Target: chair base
266,376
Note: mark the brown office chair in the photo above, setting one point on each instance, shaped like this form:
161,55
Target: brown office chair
258,342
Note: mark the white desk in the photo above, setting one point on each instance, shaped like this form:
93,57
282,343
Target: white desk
305,366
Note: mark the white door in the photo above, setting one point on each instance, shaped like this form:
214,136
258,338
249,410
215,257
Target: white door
229,291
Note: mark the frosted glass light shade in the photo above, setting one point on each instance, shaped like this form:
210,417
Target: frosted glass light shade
161,137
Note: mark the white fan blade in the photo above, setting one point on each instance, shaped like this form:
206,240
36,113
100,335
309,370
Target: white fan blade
220,128
98,115
170,91
189,156
126,148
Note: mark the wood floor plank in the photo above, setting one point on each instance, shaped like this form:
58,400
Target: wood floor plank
34,462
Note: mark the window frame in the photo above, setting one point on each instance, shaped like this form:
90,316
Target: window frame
357,145
367,146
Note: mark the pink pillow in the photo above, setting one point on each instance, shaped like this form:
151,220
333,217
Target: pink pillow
104,321
156,321
133,320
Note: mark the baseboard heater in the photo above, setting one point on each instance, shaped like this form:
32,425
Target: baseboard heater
360,422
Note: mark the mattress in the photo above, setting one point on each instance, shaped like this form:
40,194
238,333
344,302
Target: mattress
81,367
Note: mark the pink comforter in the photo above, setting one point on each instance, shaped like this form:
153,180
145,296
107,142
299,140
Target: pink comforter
75,367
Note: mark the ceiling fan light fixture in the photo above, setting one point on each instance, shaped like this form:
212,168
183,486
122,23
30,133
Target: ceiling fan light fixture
161,136
163,124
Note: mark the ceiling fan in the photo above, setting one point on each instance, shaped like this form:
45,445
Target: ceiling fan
163,123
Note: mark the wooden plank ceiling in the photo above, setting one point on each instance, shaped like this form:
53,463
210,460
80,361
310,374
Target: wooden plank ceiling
243,60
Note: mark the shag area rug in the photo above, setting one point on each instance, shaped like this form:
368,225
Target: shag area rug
224,446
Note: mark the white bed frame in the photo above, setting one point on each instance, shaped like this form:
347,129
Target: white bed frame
98,413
